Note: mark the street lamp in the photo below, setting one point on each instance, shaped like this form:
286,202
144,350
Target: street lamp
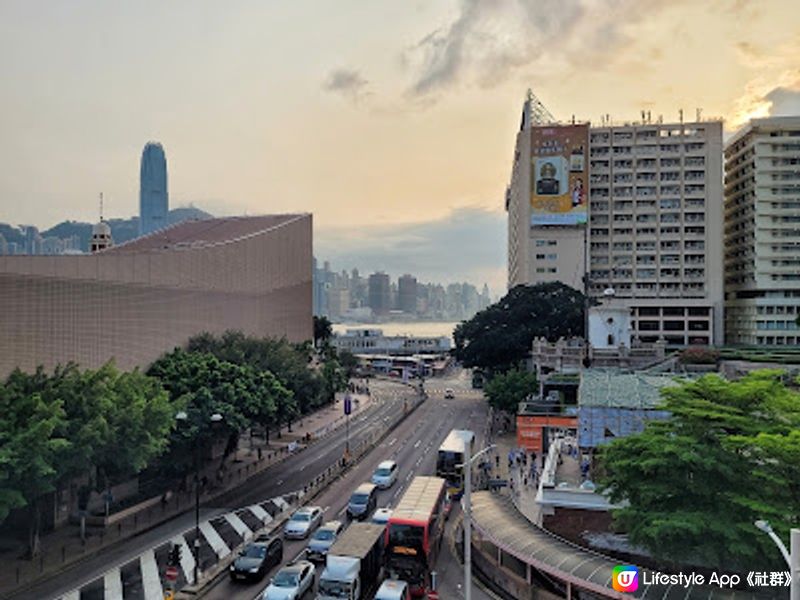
183,417
792,558
468,516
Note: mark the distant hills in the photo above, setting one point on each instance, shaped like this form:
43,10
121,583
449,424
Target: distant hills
122,230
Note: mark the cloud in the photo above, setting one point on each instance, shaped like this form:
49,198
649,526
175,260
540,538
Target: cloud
490,39
784,102
467,245
347,82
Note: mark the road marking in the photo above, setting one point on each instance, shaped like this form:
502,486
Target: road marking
280,502
214,539
417,444
341,512
261,514
280,481
325,509
239,525
409,475
73,595
303,467
393,441
299,554
151,581
112,584
323,455
187,558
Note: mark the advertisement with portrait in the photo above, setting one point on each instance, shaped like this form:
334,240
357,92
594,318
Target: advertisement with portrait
559,174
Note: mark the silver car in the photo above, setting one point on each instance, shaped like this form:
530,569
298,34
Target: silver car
385,475
291,582
323,539
382,516
302,523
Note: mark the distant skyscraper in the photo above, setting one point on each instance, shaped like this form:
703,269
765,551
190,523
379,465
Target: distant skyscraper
153,196
379,293
407,294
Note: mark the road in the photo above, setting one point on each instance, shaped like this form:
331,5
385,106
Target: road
412,445
285,477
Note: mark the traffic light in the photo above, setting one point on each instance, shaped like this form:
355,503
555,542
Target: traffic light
174,558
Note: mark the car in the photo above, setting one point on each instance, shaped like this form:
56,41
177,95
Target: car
393,589
302,523
257,558
385,475
292,582
363,501
449,394
382,516
323,539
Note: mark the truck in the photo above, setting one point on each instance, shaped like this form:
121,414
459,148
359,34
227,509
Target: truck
354,565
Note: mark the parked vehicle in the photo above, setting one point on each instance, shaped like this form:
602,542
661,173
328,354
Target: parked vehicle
363,501
257,558
323,539
385,475
292,582
393,589
302,522
449,394
353,567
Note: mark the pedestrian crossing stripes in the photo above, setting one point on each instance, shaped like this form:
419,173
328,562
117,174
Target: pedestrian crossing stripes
144,576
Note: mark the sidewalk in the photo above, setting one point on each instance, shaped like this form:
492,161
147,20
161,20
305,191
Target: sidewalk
63,547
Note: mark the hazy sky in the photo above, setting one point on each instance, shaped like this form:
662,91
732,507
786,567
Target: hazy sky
364,113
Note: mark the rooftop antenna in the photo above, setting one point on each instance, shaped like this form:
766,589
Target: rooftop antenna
101,206
699,114
648,117
680,113
644,117
536,113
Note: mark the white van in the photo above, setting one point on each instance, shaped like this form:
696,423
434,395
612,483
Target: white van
385,475
393,589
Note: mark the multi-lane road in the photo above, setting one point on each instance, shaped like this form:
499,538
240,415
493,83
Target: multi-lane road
412,444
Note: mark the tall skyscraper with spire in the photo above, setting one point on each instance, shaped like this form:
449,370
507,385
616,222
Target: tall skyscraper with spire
153,196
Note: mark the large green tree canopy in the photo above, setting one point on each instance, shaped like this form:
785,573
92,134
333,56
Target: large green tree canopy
692,486
500,336
506,390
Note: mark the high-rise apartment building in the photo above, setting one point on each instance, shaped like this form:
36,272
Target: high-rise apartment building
646,198
153,194
762,233
407,294
380,297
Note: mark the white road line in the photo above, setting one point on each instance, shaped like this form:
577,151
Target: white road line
325,509
393,441
151,581
341,512
239,526
280,502
112,585
302,468
187,559
408,476
73,595
417,444
323,455
280,481
214,539
260,513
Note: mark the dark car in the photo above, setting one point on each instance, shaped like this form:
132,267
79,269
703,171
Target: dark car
363,501
257,558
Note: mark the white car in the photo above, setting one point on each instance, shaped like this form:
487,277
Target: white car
385,475
382,516
302,523
393,589
291,582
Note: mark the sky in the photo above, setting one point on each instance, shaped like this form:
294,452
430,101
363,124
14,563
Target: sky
389,121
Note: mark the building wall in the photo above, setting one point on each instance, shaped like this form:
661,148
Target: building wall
762,233
134,306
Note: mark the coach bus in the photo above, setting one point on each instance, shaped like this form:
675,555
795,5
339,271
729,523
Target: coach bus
414,533
450,456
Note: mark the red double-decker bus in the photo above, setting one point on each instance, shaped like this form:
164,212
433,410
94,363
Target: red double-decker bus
415,531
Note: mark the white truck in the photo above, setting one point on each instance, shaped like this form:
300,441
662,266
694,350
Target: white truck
354,564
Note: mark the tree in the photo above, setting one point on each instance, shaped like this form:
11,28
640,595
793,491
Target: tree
348,361
335,378
506,390
692,486
29,447
323,330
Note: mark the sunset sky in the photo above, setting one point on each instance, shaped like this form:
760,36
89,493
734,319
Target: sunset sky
372,115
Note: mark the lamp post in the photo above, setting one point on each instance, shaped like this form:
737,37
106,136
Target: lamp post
791,557
183,417
467,467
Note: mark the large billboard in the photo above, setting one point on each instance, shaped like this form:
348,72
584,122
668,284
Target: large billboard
559,174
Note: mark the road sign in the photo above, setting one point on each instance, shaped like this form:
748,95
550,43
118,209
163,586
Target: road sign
171,573
348,404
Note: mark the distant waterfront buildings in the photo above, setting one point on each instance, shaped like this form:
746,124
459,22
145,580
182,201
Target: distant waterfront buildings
347,296
640,204
153,191
762,233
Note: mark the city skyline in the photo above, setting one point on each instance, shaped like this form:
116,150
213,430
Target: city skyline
423,82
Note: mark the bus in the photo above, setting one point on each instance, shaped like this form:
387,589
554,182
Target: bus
451,455
414,533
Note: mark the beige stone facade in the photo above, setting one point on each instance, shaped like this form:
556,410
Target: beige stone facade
135,301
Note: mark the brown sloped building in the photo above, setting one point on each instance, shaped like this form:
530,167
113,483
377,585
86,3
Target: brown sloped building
135,301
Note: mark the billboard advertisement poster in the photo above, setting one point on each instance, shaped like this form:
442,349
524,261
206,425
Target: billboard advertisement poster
559,174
